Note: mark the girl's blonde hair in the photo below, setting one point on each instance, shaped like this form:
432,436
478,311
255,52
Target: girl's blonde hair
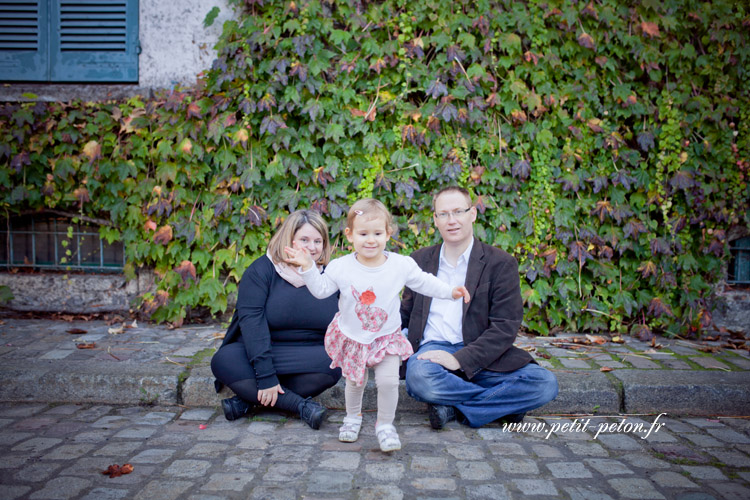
370,209
285,234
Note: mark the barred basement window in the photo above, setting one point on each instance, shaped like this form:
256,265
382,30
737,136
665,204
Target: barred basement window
57,243
739,265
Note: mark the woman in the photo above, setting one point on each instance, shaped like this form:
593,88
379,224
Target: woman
273,353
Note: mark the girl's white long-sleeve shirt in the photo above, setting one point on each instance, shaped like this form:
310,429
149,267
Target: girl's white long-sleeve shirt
369,301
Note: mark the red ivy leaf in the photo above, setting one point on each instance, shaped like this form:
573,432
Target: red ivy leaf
20,160
589,10
650,29
521,169
163,235
647,269
186,270
603,209
255,215
579,251
585,40
378,65
194,111
682,180
160,299
82,195
658,308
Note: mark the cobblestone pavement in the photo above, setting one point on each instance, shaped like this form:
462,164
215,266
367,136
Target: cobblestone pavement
59,451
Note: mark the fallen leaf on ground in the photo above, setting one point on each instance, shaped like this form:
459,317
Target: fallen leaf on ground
605,369
115,331
617,340
596,339
543,355
115,470
709,348
86,345
76,331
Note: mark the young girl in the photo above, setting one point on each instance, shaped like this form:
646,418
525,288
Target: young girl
366,332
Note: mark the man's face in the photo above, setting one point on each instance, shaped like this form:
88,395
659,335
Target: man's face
454,217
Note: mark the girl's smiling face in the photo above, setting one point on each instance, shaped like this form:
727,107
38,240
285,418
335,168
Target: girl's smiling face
309,237
369,237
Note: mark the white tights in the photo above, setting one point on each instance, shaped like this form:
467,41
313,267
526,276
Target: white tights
386,380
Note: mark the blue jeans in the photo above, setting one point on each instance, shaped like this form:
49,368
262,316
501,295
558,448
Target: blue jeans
487,396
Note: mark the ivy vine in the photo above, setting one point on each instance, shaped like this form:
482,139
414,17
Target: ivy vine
606,145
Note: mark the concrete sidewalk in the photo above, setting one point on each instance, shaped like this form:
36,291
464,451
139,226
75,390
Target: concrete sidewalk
52,361
144,396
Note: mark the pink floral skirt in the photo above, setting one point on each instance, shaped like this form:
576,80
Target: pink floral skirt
354,358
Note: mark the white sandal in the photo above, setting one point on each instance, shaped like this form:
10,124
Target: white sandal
349,432
388,437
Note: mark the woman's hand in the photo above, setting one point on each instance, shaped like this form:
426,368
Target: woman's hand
267,397
299,257
461,291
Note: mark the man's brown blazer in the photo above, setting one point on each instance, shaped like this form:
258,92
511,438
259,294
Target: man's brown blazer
490,320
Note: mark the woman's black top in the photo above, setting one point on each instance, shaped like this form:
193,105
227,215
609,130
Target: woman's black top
270,310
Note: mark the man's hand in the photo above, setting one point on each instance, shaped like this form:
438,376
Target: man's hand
299,257
443,358
267,397
461,291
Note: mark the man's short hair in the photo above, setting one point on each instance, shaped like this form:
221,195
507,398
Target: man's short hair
452,189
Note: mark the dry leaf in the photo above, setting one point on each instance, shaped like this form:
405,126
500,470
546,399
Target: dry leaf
709,348
617,340
585,40
651,29
76,331
596,339
605,369
86,345
116,331
116,471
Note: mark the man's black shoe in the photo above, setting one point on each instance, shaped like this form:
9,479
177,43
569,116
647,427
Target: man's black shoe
312,413
234,408
441,415
513,418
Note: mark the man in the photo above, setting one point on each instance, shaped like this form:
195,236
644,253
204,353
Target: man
465,364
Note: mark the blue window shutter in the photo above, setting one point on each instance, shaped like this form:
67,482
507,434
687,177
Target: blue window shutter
24,40
94,41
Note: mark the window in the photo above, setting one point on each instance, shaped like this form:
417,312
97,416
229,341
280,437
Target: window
54,242
69,40
739,265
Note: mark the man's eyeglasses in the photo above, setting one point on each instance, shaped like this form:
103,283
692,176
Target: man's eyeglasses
456,214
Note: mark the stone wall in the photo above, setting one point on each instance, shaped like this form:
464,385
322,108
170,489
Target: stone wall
75,293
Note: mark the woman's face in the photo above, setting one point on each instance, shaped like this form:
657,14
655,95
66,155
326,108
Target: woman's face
309,237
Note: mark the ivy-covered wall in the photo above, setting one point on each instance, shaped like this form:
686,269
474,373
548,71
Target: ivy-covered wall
606,144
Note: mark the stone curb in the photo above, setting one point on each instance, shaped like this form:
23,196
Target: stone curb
584,392
90,382
151,364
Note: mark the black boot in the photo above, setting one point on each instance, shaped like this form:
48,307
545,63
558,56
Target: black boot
235,408
440,415
513,418
312,413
